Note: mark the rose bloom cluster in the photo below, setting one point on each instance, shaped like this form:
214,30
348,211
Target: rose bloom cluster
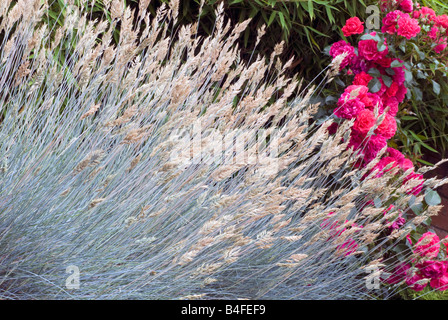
427,269
374,105
369,132
408,20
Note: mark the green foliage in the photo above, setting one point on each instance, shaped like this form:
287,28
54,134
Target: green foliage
305,26
426,294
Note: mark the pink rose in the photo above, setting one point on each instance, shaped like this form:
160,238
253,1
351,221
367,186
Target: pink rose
394,153
408,27
390,21
442,21
384,162
364,121
398,222
428,245
368,49
334,227
434,33
372,100
411,282
392,103
425,14
356,140
353,26
341,47
348,107
406,164
357,91
406,5
432,269
373,146
440,283
401,93
399,75
446,244
398,274
441,46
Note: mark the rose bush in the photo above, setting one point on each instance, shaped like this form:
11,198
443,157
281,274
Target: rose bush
380,81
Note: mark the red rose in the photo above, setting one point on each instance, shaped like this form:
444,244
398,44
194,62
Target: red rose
388,127
333,128
384,62
362,78
392,90
353,26
364,121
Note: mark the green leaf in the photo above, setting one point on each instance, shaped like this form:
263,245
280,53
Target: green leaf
408,75
282,20
374,72
436,87
417,208
428,147
311,9
396,64
368,36
432,198
378,203
418,93
390,71
408,118
425,162
330,15
421,54
374,85
387,80
272,17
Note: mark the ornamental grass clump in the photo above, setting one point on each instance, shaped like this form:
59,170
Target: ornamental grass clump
170,169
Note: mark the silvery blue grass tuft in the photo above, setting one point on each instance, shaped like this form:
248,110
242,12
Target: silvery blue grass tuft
152,168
